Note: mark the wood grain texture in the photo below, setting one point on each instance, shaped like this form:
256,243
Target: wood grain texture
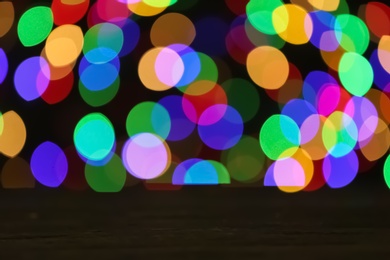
195,223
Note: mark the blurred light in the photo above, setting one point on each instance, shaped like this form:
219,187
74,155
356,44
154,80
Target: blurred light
49,164
35,25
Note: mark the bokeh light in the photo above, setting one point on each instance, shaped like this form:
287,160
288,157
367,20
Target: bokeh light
64,45
146,156
16,174
268,67
32,78
279,133
49,164
68,11
172,28
220,127
148,117
355,73
94,137
7,14
3,65
35,25
13,135
110,177
166,93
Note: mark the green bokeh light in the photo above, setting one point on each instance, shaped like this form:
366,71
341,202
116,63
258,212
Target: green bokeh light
110,177
160,3
100,97
245,161
260,14
148,117
94,137
355,73
208,71
35,25
339,134
354,36
343,8
386,171
243,96
279,133
222,172
102,42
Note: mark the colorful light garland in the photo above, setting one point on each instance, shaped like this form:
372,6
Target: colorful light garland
159,95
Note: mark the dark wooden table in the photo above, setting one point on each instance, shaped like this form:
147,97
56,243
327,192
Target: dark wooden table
195,223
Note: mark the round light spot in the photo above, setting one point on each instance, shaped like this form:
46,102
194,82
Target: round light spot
356,73
69,11
64,45
142,9
32,78
7,14
98,76
354,36
279,133
339,134
147,72
243,96
49,164
386,171
3,65
260,14
340,171
146,156
109,177
148,117
13,136
94,137
221,133
35,25
288,172
172,28
16,174
97,98
292,23
102,43
384,52
169,67
181,126
325,5
267,67
244,161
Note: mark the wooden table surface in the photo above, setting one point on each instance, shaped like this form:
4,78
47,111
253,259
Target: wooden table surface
195,223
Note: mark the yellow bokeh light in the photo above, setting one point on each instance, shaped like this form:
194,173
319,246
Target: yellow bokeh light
292,23
268,67
64,45
147,73
172,28
200,87
13,138
325,5
16,174
315,146
7,17
377,145
303,158
159,3
143,9
384,52
57,73
73,2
